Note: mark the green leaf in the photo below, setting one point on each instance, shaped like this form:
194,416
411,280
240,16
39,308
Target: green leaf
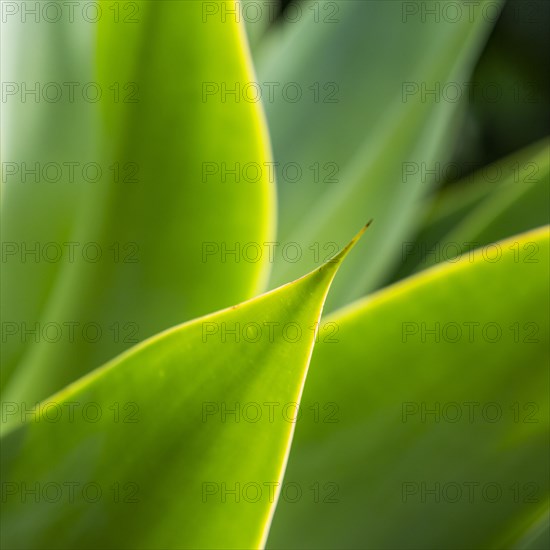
496,202
356,124
388,446
169,447
258,17
42,201
538,536
163,227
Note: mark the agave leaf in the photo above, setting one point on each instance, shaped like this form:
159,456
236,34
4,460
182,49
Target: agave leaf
496,202
163,226
443,433
362,69
150,431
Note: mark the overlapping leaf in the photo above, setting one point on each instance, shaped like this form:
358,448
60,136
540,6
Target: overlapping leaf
441,437
149,444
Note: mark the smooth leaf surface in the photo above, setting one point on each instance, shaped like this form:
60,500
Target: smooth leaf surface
153,433
45,146
349,114
157,235
441,437
258,16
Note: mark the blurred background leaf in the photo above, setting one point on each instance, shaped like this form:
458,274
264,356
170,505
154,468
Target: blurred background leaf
515,58
496,202
359,121
38,209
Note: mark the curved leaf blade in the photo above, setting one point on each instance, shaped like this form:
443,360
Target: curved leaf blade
179,450
404,354
155,231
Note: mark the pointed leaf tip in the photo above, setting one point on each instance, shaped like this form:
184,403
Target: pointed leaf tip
190,368
339,257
